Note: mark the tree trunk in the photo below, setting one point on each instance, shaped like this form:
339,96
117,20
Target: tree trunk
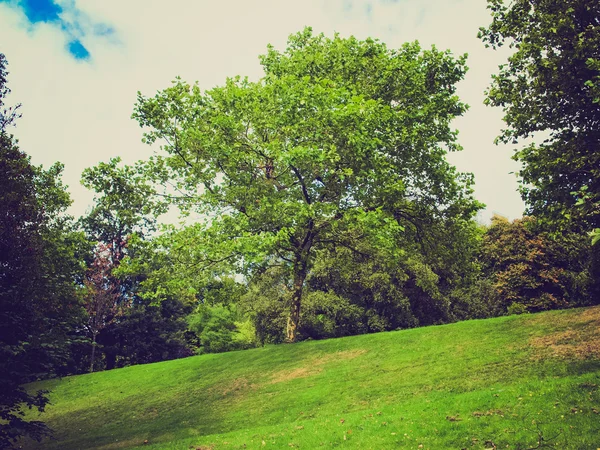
294,317
300,271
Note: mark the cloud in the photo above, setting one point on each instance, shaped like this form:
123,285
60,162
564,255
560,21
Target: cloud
369,10
74,24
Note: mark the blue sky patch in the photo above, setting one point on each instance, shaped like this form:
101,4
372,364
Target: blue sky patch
74,23
77,49
41,10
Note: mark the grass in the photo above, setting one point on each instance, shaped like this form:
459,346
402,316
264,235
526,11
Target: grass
514,382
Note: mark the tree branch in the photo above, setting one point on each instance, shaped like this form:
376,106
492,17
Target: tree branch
307,198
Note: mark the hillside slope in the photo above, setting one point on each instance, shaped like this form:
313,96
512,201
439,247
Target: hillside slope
512,382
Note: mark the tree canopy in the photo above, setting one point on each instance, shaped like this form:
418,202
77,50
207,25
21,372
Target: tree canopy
339,135
550,89
532,271
40,264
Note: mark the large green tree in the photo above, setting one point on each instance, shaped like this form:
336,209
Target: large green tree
337,132
550,90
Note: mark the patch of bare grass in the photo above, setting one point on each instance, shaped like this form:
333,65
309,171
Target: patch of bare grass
338,356
299,372
233,387
314,366
580,340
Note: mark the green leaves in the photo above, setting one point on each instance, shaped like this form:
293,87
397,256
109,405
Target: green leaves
529,267
125,202
40,270
337,130
595,235
550,86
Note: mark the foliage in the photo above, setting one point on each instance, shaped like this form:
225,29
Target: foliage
125,204
146,333
551,87
476,300
122,323
19,252
444,387
531,268
338,131
130,325
326,315
9,114
171,265
102,296
171,268
516,308
39,302
595,235
40,267
174,264
125,208
265,303
220,330
371,286
389,293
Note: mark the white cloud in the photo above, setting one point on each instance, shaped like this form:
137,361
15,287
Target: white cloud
78,112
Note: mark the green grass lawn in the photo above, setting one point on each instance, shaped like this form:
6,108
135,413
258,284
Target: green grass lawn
515,382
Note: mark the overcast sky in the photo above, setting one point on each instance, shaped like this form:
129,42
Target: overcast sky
76,66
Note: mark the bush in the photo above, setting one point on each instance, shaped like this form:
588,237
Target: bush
219,331
326,315
477,301
517,308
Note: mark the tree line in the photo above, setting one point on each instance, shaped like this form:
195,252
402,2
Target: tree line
318,203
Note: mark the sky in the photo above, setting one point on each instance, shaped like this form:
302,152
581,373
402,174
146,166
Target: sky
77,65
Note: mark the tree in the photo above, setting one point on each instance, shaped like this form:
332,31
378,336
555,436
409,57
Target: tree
550,87
125,208
102,296
9,114
168,267
371,287
534,271
125,204
126,327
20,249
146,333
40,267
337,132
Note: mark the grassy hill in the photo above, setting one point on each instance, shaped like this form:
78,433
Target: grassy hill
515,382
